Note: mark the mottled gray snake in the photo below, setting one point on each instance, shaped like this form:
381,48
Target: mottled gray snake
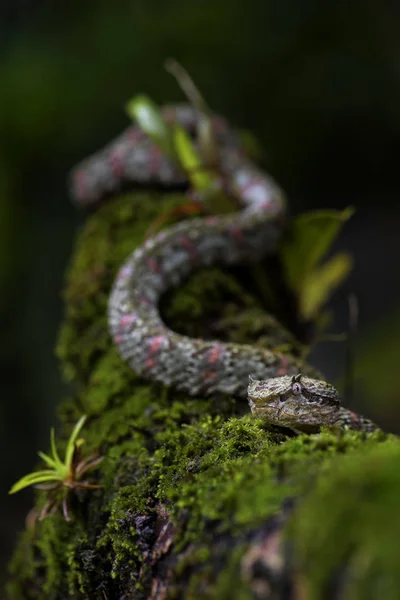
276,391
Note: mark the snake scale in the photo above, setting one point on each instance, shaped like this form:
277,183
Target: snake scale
275,389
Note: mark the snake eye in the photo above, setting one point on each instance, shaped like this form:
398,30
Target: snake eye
296,388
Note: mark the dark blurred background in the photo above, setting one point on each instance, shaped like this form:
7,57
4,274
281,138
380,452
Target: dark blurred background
318,83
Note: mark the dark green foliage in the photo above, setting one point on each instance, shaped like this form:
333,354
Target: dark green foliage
356,535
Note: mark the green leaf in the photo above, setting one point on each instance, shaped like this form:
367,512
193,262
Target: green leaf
320,283
34,478
59,470
149,118
71,442
206,138
49,461
201,179
307,240
54,452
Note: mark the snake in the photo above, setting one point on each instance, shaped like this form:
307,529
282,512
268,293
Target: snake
280,390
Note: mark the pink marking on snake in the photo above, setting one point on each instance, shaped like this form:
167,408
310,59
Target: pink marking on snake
237,234
116,162
155,160
188,245
355,419
127,320
214,354
156,342
284,366
265,205
254,183
153,265
134,134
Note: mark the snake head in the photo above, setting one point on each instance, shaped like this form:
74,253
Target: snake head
297,402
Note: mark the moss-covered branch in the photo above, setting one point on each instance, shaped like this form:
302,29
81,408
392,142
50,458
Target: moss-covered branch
197,496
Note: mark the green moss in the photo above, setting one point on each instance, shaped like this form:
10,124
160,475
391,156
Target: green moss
23,568
358,505
216,471
236,468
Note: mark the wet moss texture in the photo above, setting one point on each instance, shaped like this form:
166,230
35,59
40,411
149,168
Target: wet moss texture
190,484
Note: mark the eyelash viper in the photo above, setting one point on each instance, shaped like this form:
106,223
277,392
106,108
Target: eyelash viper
197,366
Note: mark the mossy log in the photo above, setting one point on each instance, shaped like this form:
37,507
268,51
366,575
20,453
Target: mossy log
198,499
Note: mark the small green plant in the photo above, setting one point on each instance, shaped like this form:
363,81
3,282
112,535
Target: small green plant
65,475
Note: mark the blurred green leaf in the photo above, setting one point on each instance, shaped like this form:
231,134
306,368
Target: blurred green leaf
206,138
377,360
50,462
320,283
58,462
148,116
200,177
306,242
34,479
73,440
203,180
